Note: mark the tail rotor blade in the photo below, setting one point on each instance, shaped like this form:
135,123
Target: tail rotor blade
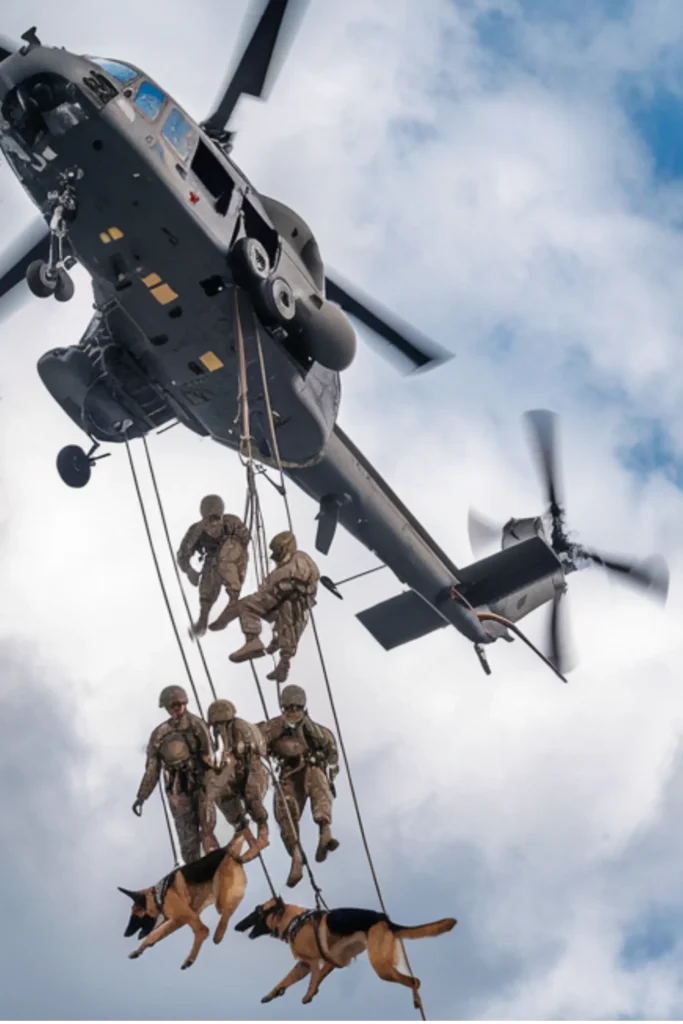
482,532
7,47
542,425
651,575
560,649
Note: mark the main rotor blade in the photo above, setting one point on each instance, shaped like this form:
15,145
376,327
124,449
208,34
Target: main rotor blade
414,347
652,574
32,244
7,47
260,61
482,532
542,425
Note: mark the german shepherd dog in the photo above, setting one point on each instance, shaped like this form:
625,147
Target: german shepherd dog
322,940
180,898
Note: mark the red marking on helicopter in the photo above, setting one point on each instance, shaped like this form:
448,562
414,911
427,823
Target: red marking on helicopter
194,198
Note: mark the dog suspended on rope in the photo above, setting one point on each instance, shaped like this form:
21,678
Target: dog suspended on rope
284,598
222,540
179,899
321,940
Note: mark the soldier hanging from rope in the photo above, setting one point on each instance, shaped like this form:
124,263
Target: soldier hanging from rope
308,762
284,598
238,785
223,542
181,746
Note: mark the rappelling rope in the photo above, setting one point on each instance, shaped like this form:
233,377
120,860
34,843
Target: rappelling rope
152,549
174,848
283,489
175,629
253,509
175,566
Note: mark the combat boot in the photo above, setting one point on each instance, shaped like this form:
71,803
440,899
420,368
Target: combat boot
235,844
326,844
280,672
256,845
230,612
296,872
253,648
273,646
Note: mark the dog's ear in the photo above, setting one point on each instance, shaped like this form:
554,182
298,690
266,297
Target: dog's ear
137,897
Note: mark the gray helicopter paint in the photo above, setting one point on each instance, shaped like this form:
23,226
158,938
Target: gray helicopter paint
143,215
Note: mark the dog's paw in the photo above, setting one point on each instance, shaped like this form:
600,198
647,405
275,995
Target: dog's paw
134,955
188,963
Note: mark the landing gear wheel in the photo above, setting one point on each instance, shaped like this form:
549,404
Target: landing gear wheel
279,299
65,286
250,261
41,280
74,466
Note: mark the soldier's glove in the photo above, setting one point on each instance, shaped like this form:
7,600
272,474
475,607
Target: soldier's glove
193,576
137,808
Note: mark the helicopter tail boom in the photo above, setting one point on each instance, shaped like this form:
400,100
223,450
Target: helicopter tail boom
408,616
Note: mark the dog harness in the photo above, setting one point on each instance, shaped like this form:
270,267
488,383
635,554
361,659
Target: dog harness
295,925
160,890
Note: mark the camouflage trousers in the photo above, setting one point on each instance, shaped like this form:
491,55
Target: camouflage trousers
227,568
289,616
296,790
186,811
236,796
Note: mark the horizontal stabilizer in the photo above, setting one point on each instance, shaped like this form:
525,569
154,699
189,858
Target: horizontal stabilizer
493,578
401,619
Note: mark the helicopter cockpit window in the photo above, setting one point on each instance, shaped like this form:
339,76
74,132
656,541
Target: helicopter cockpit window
149,100
179,133
121,72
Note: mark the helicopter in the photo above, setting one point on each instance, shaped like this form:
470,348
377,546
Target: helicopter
186,258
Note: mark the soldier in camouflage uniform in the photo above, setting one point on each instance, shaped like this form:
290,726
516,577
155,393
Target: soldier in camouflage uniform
182,747
223,542
238,784
308,763
284,598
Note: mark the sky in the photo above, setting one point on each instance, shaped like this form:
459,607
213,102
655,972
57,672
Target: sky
507,176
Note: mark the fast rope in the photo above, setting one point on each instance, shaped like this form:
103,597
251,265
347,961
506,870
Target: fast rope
189,613
175,565
152,549
253,509
174,849
276,452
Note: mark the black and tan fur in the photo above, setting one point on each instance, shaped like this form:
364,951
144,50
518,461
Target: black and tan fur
334,938
217,878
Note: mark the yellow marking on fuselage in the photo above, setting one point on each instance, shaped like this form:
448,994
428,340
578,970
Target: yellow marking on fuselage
211,361
151,279
116,233
104,237
164,294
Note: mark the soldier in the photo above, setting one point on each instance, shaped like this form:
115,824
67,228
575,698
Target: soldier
309,763
284,598
238,785
223,542
182,747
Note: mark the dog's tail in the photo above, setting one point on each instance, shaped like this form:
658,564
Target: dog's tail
423,931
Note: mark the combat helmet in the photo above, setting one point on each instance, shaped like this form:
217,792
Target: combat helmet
283,546
221,711
171,693
211,505
293,694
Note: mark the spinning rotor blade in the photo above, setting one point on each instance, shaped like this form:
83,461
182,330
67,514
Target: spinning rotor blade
651,574
542,425
255,72
419,351
559,650
33,244
483,533
7,47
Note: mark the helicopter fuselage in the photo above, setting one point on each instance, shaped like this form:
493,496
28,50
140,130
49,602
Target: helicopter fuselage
160,212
